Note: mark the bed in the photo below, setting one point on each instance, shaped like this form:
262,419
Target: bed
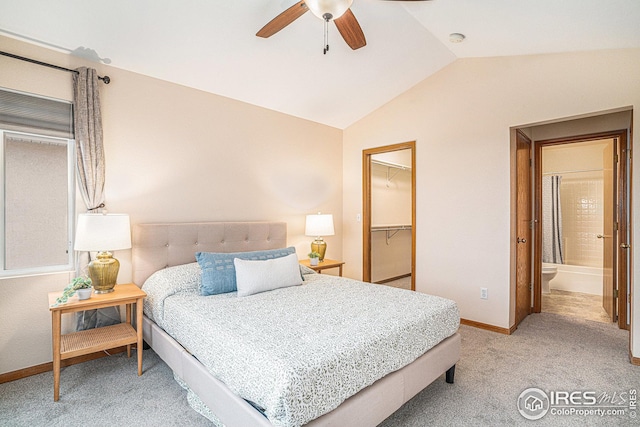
156,247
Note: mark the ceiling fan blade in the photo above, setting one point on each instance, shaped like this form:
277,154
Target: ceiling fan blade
350,30
282,20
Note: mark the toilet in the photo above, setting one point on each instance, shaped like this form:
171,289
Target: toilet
549,271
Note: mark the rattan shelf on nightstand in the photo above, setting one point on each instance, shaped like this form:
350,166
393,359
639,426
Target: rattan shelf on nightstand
92,340
98,339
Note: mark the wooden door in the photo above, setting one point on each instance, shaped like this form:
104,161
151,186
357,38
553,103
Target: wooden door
624,247
608,235
523,227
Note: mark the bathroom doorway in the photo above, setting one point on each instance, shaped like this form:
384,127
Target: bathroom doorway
389,215
581,240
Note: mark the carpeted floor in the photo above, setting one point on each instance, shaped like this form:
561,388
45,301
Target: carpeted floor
548,351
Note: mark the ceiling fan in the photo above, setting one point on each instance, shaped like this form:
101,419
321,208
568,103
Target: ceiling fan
338,11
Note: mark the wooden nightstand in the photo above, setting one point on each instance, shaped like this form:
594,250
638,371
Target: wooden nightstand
98,339
326,264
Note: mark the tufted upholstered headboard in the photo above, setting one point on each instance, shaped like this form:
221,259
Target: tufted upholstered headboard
157,246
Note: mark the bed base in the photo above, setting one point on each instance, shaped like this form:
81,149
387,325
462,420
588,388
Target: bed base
368,407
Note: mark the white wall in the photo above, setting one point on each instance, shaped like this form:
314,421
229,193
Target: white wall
461,119
176,154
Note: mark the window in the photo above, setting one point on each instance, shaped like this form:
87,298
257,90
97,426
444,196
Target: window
37,187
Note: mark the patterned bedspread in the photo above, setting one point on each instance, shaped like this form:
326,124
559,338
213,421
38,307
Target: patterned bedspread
299,352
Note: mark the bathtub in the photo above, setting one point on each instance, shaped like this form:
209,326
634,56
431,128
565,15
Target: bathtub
576,278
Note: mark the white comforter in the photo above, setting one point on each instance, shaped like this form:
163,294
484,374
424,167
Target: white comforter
299,352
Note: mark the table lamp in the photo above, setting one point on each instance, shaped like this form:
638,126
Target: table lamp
319,225
103,233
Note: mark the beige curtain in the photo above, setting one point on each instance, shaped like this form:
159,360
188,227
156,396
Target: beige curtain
88,135
90,172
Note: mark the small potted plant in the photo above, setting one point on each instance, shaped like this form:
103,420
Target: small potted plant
81,285
314,257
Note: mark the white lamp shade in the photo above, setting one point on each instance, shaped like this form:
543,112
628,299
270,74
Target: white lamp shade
319,225
336,8
103,232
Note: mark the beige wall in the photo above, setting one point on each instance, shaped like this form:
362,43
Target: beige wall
176,154
461,119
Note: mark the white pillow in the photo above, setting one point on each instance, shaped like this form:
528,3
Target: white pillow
253,276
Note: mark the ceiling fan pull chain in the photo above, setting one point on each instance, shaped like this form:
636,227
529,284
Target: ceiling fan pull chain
327,17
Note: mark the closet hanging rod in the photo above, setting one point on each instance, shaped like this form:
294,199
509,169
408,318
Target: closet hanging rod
105,79
391,228
574,171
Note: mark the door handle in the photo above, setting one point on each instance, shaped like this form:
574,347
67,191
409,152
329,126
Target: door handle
624,246
600,236
521,240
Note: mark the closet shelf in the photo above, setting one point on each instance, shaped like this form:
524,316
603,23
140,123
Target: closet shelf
391,165
391,230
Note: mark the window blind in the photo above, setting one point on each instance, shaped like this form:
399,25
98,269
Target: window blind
28,113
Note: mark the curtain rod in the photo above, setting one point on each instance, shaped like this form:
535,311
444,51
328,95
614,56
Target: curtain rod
105,79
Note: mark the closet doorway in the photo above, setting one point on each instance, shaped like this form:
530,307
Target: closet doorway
389,215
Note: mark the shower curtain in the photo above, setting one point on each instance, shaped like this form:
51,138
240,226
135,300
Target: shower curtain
552,248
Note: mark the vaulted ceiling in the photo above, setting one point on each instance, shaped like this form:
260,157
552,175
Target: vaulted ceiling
211,44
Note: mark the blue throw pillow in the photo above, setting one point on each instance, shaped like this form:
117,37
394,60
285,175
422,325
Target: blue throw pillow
218,270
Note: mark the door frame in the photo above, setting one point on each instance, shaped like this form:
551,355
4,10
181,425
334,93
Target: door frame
366,206
622,214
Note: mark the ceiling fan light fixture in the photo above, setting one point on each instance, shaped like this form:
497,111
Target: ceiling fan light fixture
328,10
